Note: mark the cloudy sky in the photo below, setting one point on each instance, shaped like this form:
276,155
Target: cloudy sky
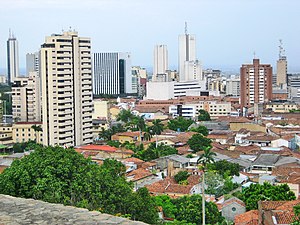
227,31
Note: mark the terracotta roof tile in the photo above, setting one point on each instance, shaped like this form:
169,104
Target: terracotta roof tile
105,148
247,218
139,174
232,200
134,160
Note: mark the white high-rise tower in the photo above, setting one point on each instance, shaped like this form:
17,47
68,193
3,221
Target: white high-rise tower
12,58
187,53
66,74
160,61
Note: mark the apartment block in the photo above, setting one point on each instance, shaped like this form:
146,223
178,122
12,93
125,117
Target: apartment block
66,74
256,83
27,131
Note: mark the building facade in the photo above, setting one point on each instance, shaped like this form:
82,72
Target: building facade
12,58
256,83
160,65
66,74
112,73
32,62
233,87
26,98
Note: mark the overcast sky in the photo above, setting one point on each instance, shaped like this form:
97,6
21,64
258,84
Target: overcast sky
227,31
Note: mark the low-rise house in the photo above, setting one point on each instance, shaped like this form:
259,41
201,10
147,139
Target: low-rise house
141,177
276,212
172,163
232,207
261,140
264,163
100,152
169,187
247,218
266,178
220,136
131,137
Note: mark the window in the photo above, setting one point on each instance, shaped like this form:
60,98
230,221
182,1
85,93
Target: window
233,209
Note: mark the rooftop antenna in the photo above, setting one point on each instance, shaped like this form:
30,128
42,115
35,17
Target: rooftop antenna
254,55
10,33
185,29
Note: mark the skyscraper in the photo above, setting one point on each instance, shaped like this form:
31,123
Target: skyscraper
112,73
256,83
160,60
187,52
66,76
281,67
12,58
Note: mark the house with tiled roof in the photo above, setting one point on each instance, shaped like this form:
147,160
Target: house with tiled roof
247,218
100,152
141,177
168,186
232,207
276,212
129,136
220,136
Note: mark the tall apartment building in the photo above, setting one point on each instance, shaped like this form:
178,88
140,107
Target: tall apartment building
26,98
32,62
281,78
66,74
256,83
233,87
12,58
112,73
160,65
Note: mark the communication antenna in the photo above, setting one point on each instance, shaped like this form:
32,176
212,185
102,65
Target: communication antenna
254,55
185,28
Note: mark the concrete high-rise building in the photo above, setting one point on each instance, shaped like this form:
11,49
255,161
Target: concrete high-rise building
189,67
66,74
281,67
112,73
256,83
233,87
160,61
12,58
26,98
32,62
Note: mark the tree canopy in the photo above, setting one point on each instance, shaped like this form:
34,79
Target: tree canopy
58,175
200,129
181,176
198,142
203,115
224,166
256,192
153,152
180,123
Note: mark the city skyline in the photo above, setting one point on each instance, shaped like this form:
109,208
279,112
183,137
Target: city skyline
228,32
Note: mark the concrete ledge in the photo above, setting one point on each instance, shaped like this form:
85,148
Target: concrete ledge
19,211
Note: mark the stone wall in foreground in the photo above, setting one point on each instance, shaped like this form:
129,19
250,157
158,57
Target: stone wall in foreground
19,211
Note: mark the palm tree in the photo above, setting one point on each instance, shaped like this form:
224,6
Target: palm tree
139,123
156,128
204,159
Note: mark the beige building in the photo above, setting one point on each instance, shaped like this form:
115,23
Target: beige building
6,134
282,107
281,72
101,109
66,90
26,98
24,131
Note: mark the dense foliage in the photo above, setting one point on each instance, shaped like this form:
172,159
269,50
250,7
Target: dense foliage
224,167
25,146
181,176
180,123
58,175
153,152
256,192
200,129
188,209
203,115
5,96
105,134
198,142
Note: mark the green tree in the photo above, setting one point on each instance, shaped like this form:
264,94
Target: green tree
203,115
105,134
189,208
116,144
257,192
180,123
156,129
153,153
181,176
224,166
198,142
125,116
200,129
169,209
37,129
59,175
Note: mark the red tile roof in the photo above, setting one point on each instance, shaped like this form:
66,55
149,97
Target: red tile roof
232,200
247,218
139,174
105,148
134,160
